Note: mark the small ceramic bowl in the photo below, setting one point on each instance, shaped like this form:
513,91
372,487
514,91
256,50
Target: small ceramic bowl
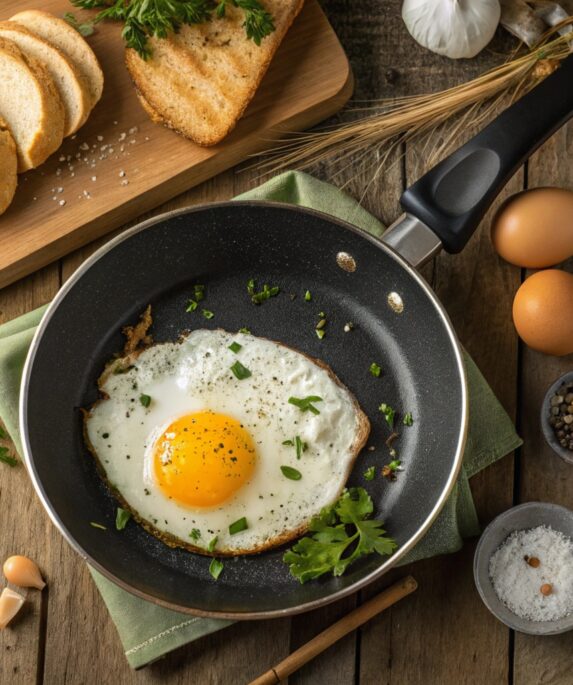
548,433
521,517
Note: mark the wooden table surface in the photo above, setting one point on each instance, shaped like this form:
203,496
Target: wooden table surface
441,634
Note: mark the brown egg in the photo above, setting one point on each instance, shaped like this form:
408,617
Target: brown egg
534,229
23,572
543,312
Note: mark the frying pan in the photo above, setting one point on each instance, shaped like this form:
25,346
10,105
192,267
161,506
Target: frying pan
353,277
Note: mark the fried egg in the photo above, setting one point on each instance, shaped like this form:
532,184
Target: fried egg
215,437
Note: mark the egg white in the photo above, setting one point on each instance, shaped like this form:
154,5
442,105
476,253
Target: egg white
194,375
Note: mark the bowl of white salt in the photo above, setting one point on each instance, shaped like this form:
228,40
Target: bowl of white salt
523,568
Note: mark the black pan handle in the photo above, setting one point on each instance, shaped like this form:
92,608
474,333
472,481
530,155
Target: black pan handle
453,197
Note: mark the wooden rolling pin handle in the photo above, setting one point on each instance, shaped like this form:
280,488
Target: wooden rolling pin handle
337,630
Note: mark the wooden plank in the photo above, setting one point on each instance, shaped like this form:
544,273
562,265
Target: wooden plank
25,526
543,476
308,80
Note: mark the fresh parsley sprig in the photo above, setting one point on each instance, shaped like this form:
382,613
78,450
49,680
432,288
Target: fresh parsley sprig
339,535
145,18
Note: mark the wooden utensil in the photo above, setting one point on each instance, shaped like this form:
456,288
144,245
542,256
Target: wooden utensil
336,631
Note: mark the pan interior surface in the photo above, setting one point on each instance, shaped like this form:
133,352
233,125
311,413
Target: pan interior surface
223,246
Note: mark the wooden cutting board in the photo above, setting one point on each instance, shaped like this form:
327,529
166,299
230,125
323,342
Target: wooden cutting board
120,165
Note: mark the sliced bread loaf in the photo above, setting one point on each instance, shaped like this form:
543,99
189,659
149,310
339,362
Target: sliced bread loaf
72,87
8,167
30,105
63,36
200,80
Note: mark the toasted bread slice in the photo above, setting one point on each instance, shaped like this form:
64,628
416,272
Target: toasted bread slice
200,80
30,105
71,85
64,37
8,167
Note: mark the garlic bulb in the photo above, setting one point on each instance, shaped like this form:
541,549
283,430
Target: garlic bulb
455,28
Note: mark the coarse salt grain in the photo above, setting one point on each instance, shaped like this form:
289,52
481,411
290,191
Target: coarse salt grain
518,584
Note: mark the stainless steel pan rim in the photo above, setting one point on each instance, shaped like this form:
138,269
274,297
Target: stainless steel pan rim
384,567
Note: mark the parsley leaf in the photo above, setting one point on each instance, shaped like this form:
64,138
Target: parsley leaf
375,370
408,419
389,414
195,534
370,473
145,400
339,535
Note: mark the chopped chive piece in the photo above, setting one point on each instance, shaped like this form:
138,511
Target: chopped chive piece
121,518
199,292
408,419
207,314
215,568
300,447
244,330
235,347
307,296
389,413
306,403
6,458
320,333
290,473
97,525
145,400
264,294
375,370
191,306
195,534
3,434
241,372
211,545
370,473
289,443
321,324
238,526
251,286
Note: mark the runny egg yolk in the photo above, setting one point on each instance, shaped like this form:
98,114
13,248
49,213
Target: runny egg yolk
202,459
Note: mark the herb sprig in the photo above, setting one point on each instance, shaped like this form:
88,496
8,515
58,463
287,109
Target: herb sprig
339,535
146,18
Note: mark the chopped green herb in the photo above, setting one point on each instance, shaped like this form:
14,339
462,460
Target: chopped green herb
85,29
207,314
290,473
244,330
97,525
238,526
370,473
121,518
215,568
235,347
119,369
264,294
408,419
191,306
375,370
389,414
145,400
306,403
307,296
211,545
300,447
199,291
394,465
195,534
6,458
321,324
339,535
289,443
320,333
241,372
389,471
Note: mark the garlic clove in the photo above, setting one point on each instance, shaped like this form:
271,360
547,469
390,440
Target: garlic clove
10,604
454,28
23,572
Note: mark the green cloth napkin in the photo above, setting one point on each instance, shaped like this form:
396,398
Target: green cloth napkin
147,631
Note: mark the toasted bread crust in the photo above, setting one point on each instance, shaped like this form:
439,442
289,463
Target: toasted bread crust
48,134
200,100
8,167
139,333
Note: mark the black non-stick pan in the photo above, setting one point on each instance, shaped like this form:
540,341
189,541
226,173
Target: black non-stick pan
353,277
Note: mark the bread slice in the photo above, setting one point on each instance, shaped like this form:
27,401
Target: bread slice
72,87
200,80
8,167
64,37
30,105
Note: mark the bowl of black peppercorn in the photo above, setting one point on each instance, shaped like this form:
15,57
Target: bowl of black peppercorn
557,417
